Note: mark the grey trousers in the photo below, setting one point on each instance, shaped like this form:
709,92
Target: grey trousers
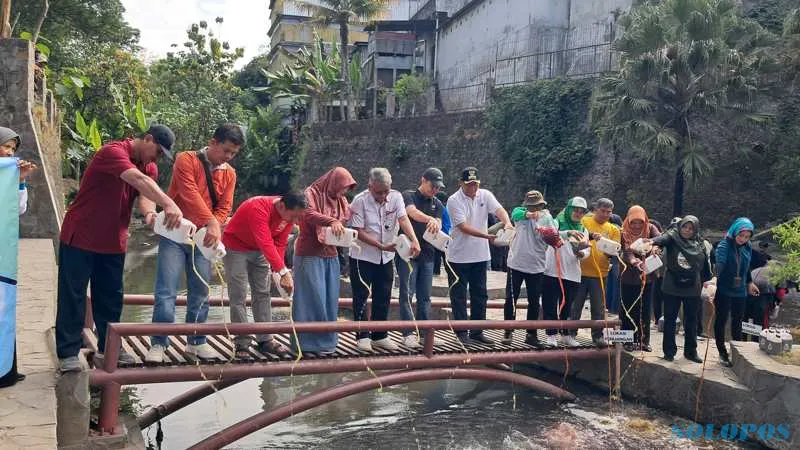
242,268
590,286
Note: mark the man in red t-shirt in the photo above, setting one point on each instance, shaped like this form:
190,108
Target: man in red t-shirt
255,240
95,233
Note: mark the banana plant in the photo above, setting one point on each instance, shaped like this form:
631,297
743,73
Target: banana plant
85,141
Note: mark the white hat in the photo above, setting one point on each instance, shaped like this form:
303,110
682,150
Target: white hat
579,202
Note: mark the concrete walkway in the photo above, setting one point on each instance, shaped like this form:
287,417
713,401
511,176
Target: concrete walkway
28,409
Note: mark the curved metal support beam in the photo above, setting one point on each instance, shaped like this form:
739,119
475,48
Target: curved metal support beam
266,418
156,413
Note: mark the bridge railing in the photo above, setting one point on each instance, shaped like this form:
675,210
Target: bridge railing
111,377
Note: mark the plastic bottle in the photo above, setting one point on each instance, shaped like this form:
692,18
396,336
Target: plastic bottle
183,234
439,240
347,239
212,254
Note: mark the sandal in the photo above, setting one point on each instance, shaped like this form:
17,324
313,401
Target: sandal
273,347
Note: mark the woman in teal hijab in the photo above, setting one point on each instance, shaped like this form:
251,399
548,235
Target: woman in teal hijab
734,283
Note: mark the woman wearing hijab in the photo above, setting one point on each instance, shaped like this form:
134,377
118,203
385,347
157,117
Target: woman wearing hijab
687,268
637,286
734,282
9,143
316,265
570,254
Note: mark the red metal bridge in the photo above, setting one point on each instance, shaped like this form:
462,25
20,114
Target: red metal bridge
383,368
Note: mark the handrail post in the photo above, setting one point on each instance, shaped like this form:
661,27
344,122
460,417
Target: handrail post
110,397
428,343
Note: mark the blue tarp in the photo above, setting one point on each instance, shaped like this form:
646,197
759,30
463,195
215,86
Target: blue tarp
9,237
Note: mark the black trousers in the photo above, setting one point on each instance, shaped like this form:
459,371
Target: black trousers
551,300
672,305
472,277
700,318
658,299
728,306
437,262
76,269
639,311
378,279
533,284
10,378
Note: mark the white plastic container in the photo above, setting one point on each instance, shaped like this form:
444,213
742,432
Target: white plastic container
504,237
609,247
183,234
276,280
709,291
641,247
439,240
347,239
786,339
770,341
212,254
652,263
402,246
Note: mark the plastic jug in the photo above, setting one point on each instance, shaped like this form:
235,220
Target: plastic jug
504,237
183,234
276,280
347,239
641,247
402,246
652,263
609,247
709,291
212,254
439,240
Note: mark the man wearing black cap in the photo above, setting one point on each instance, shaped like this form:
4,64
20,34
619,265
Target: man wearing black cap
95,233
425,211
468,253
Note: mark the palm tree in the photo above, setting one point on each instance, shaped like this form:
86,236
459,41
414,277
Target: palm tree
341,13
682,63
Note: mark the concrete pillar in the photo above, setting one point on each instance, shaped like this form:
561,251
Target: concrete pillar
45,195
391,104
72,392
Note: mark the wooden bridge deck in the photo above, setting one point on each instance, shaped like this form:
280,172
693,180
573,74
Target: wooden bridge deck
175,355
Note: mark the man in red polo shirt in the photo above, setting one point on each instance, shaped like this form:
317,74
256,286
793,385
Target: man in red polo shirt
95,233
255,240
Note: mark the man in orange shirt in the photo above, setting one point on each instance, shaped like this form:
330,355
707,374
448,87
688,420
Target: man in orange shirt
206,204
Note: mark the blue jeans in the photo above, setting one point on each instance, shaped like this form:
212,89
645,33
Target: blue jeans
419,281
173,260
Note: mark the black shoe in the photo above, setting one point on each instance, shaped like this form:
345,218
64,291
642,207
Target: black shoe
532,339
647,348
725,361
694,358
508,337
669,358
481,339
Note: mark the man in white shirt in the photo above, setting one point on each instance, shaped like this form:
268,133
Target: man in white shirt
377,213
468,253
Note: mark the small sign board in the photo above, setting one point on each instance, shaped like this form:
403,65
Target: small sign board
621,336
751,329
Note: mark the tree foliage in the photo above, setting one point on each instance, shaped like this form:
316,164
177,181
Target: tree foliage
788,236
542,132
410,91
683,62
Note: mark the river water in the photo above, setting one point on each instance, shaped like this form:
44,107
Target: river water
451,414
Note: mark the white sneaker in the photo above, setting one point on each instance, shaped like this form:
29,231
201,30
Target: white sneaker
411,341
156,354
570,341
552,341
202,351
386,344
365,344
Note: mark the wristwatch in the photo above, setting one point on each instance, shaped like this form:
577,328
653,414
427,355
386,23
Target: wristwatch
283,271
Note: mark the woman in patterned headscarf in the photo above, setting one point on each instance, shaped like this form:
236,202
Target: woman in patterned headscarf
637,292
316,265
